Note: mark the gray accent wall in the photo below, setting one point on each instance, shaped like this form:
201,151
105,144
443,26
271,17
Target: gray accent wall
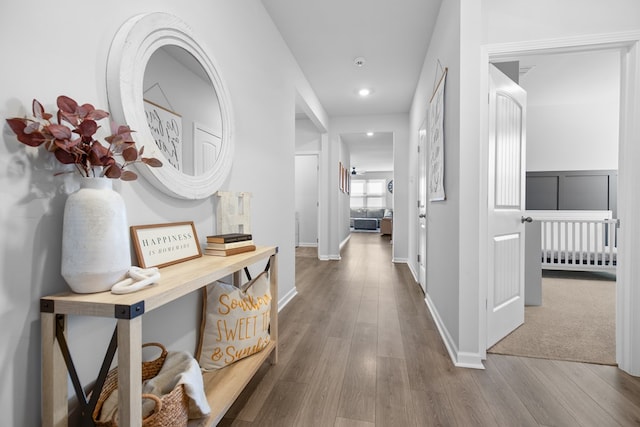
572,190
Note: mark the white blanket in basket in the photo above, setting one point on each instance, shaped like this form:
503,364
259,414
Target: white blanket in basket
179,368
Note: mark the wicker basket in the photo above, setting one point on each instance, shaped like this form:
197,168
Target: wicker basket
171,410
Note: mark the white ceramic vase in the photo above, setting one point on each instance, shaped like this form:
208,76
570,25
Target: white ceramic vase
95,237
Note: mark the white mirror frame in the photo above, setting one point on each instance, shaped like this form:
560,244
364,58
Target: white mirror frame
130,51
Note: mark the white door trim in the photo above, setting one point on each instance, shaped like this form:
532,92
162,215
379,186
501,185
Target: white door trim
301,103
628,272
421,224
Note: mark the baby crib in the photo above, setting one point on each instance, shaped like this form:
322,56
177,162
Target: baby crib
578,240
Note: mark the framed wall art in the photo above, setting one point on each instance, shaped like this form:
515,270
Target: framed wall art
159,245
345,179
166,129
436,141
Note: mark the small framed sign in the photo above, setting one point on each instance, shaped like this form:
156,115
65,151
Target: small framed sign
159,245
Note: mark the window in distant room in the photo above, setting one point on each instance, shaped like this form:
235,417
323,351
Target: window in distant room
367,193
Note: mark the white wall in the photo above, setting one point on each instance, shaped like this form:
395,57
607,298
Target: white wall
239,35
470,343
442,217
343,196
523,20
573,105
307,137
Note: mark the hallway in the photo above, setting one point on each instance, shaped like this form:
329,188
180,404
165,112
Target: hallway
358,348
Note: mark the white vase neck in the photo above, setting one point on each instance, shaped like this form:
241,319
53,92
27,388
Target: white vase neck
99,183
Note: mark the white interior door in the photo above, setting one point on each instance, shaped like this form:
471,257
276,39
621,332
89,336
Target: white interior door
422,210
507,149
306,198
207,145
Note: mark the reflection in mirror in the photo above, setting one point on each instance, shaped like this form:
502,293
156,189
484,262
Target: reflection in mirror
182,110
164,84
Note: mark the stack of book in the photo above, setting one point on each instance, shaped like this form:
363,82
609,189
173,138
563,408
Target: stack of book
229,244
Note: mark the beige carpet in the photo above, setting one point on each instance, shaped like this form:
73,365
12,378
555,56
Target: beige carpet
575,322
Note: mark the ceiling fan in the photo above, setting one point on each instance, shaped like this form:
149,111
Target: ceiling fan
354,172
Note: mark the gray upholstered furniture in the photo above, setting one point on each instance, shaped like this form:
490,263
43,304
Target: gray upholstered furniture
366,218
365,224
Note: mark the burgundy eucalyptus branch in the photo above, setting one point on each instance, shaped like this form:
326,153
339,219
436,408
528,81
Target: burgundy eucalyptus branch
72,139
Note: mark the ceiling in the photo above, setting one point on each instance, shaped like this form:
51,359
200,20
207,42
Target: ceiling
327,36
370,153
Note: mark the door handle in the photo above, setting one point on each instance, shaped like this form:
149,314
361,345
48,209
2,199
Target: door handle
526,219
422,216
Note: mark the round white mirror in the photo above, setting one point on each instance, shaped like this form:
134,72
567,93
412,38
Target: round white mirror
163,84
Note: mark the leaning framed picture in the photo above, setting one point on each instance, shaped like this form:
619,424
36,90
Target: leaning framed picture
159,245
436,141
166,128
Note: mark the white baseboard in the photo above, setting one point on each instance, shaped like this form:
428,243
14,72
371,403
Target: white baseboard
400,260
329,257
344,242
414,273
307,245
459,359
282,303
334,257
469,360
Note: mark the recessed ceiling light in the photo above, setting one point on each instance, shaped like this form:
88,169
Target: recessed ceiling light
369,133
364,92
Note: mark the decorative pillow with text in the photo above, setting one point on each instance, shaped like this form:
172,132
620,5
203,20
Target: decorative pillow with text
235,322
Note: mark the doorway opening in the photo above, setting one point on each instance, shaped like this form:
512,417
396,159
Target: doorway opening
571,170
310,227
369,182
628,45
306,200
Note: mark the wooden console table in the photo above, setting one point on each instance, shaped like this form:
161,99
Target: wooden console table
222,386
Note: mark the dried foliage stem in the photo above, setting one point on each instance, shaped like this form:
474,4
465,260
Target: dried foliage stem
72,139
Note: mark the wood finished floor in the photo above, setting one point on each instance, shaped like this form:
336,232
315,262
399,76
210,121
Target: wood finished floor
358,348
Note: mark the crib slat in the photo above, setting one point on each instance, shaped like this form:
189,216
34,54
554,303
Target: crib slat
611,230
554,252
543,241
579,244
588,243
599,241
561,243
609,244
